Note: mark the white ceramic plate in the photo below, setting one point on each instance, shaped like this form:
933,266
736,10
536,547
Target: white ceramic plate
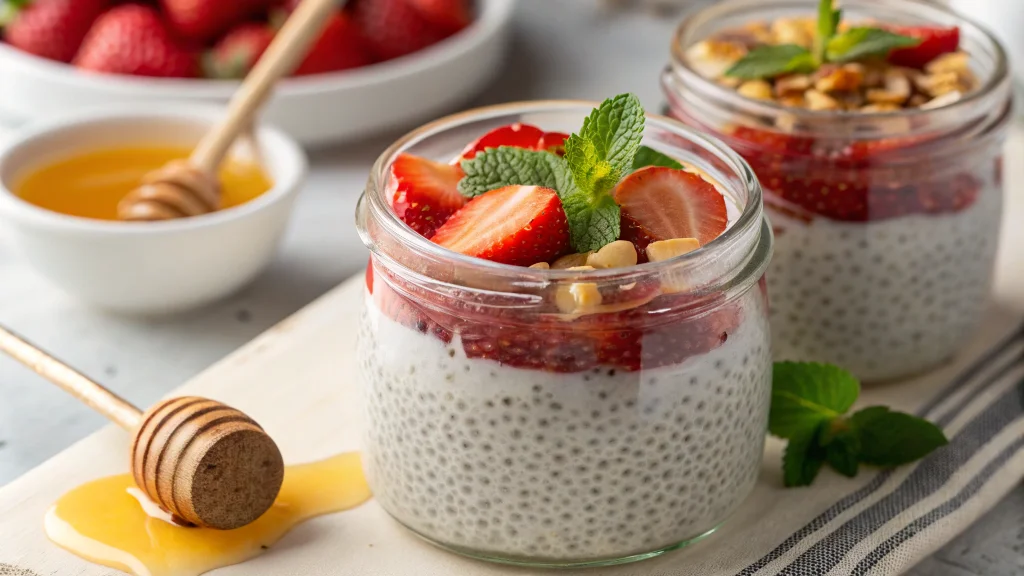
315,110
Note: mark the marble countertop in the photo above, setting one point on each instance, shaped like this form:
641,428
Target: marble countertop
560,49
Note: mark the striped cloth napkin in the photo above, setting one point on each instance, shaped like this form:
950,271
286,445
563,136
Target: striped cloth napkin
883,522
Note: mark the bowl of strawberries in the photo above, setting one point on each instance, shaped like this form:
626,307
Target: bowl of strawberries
379,64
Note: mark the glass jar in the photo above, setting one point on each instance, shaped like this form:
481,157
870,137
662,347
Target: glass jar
886,224
502,428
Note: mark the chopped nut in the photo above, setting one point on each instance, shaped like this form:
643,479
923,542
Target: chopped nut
918,100
881,107
850,100
795,101
957,62
570,261
944,100
792,31
874,76
540,266
897,89
729,81
711,58
792,84
938,84
665,249
757,89
820,101
841,79
578,297
618,254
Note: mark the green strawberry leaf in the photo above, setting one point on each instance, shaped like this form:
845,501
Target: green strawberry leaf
828,23
593,221
506,166
805,395
842,446
616,128
802,459
772,61
858,43
890,438
647,156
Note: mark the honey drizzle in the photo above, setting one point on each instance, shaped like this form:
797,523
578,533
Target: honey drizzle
104,522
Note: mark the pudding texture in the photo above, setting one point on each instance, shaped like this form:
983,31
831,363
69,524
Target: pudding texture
520,463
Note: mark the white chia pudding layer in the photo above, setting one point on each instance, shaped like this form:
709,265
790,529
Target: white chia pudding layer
886,298
562,467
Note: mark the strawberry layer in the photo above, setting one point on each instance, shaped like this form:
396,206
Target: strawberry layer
664,331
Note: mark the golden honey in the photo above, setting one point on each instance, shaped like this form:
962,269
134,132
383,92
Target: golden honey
109,522
90,185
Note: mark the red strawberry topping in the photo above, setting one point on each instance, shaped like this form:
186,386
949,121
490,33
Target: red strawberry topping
448,15
515,135
238,51
132,39
518,225
394,28
52,29
341,46
934,42
553,142
423,193
661,203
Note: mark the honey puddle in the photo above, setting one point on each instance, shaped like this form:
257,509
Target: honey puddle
109,522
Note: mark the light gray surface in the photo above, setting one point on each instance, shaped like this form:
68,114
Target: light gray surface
561,49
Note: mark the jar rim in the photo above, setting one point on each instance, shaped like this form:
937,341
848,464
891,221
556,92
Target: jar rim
374,204
686,33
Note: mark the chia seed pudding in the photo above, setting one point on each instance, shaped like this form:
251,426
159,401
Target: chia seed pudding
881,174
564,415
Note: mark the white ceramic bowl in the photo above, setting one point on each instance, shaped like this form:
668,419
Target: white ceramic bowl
155,267
316,110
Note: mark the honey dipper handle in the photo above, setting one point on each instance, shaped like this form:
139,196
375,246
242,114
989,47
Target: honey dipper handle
92,394
282,56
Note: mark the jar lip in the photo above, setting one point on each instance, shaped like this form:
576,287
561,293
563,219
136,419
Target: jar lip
374,200
999,76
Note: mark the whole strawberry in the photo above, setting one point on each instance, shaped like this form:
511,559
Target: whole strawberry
201,21
237,52
341,46
395,28
132,39
51,29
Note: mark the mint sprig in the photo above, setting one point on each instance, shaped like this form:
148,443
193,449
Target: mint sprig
809,406
506,166
854,44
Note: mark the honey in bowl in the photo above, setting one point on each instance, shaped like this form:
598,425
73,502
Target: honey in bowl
109,521
91,184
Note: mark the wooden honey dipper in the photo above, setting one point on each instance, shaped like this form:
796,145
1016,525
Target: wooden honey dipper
203,462
190,187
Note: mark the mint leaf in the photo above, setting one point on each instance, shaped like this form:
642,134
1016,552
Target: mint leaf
647,156
842,446
590,172
802,459
804,395
858,43
616,128
771,61
593,222
505,166
828,23
890,438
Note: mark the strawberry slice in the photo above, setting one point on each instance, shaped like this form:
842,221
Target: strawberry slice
934,42
423,193
515,135
661,203
553,142
518,225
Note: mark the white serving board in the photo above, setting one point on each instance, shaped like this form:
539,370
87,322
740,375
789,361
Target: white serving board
298,380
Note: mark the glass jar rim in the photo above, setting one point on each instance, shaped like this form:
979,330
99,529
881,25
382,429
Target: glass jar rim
374,204
686,33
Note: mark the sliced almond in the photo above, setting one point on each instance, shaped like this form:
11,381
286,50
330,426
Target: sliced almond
540,266
571,261
820,101
711,58
956,62
666,249
879,108
897,89
756,89
617,254
791,31
843,78
578,297
938,84
944,100
792,84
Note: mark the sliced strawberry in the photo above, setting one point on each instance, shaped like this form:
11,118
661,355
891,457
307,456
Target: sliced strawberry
423,193
516,135
661,203
448,15
553,142
934,42
518,225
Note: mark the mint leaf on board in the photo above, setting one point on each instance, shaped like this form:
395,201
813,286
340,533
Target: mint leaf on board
890,438
802,459
596,221
842,447
858,43
616,128
804,395
828,23
647,156
772,61
506,166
